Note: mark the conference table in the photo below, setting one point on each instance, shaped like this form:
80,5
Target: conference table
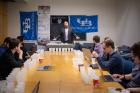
63,77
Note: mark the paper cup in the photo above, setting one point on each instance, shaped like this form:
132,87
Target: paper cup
59,49
50,49
63,49
89,70
116,92
56,49
111,89
71,49
96,81
86,79
53,49
68,49
125,91
93,60
40,60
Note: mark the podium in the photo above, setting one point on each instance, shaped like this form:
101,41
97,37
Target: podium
59,45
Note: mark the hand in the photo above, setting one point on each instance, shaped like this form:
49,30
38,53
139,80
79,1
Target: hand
91,55
118,76
27,56
78,37
121,52
96,63
54,38
20,52
95,54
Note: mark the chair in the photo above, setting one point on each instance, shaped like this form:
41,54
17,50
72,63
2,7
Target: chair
77,46
126,54
89,46
125,49
30,47
127,66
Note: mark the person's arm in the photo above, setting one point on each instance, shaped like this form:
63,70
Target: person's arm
128,76
13,63
28,56
134,89
102,58
107,64
100,49
74,34
121,52
125,77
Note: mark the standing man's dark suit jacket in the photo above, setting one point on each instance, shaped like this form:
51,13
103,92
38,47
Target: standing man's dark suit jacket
71,33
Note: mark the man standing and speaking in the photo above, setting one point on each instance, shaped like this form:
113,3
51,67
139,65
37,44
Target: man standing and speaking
66,34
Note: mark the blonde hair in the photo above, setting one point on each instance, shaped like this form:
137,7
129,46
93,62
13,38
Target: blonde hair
109,38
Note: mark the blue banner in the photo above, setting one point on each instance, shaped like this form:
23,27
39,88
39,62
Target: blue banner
84,24
28,21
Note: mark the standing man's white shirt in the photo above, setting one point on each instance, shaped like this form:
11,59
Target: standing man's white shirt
66,34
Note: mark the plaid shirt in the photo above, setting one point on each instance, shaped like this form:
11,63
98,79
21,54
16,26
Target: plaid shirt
99,49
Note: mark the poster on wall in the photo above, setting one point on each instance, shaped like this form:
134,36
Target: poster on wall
28,22
58,19
84,24
43,25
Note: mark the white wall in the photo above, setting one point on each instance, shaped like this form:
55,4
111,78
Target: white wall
105,9
128,22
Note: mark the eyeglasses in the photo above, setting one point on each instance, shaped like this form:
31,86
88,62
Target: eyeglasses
133,56
104,48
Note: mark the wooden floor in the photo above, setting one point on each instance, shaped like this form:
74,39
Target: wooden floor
63,77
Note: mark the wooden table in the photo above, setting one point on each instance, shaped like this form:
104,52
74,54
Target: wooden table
63,77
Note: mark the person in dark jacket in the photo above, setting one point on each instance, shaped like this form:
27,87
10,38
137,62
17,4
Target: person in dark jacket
22,47
66,34
114,64
7,60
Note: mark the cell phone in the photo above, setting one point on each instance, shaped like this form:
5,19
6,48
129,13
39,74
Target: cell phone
118,89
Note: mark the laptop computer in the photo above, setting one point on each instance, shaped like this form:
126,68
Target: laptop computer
45,67
36,88
108,78
87,55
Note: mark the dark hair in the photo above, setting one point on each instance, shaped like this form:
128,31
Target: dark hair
96,38
136,49
7,39
21,38
65,21
109,43
14,43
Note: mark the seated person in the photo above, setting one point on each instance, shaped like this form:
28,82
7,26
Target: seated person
109,38
106,56
25,53
114,64
98,46
4,46
134,77
7,61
